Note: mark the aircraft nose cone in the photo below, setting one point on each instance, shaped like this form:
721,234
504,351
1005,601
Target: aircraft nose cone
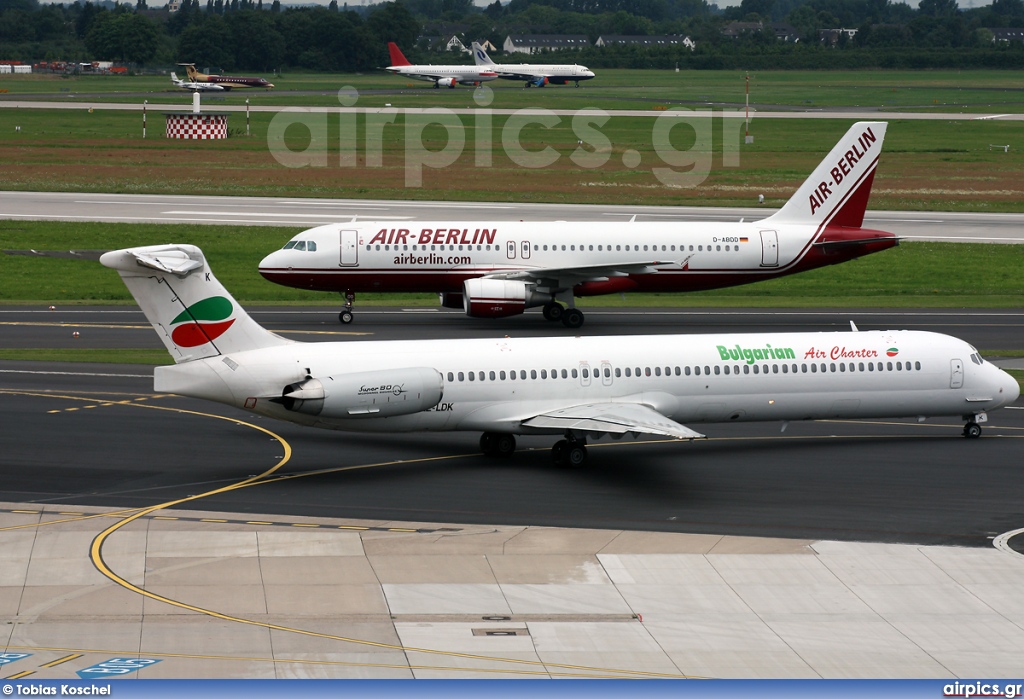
270,262
1010,389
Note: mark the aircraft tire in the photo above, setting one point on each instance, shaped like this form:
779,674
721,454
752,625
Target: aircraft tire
489,443
553,311
558,451
345,317
505,445
572,318
576,455
972,430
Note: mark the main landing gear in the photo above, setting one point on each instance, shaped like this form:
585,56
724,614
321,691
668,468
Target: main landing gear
571,318
346,316
497,444
571,451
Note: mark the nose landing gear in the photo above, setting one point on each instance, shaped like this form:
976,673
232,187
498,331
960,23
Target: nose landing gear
346,316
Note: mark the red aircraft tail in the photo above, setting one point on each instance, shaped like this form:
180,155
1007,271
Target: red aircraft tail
397,59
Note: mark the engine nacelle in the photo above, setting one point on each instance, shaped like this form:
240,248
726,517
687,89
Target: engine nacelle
366,394
447,82
497,298
451,299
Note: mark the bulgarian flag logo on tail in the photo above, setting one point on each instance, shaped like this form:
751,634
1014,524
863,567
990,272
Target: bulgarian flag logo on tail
202,322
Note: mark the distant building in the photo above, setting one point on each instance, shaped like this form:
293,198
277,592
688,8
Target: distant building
173,5
455,43
782,30
1007,35
534,43
487,45
629,40
830,37
735,29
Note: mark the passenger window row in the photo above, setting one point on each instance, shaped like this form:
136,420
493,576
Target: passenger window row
538,248
707,370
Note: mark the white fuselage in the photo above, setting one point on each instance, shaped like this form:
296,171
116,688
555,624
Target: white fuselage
688,378
554,72
439,256
432,73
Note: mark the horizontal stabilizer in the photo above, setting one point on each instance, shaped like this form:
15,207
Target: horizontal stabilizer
612,418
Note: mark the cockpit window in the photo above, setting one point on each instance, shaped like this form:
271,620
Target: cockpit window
289,245
976,358
310,246
300,244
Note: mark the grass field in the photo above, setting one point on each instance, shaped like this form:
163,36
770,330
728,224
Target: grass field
912,275
926,165
941,90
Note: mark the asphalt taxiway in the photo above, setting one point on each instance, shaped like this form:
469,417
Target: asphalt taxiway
896,481
213,543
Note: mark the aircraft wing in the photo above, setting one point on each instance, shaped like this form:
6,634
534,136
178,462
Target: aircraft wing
613,418
515,75
575,275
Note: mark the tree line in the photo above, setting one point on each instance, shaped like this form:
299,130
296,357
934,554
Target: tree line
265,36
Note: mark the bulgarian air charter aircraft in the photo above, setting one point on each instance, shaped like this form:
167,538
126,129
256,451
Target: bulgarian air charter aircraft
573,388
493,269
441,76
533,74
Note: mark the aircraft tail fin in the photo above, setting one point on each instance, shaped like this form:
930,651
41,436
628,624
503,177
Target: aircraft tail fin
397,57
174,77
836,194
192,312
480,56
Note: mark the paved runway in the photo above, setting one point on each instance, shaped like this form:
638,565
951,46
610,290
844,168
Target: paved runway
306,213
702,111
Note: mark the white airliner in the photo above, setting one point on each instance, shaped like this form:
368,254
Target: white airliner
493,268
195,86
533,74
441,76
574,387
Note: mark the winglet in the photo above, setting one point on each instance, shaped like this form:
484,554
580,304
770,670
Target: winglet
837,192
397,57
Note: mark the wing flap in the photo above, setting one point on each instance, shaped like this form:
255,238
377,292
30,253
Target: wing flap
613,418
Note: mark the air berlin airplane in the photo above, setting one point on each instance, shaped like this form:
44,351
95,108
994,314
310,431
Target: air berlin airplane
573,387
493,269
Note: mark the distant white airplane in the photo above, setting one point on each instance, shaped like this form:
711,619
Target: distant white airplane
495,268
194,86
575,387
537,75
441,76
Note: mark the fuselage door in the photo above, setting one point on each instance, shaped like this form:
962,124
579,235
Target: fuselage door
510,247
584,374
526,249
769,248
606,374
956,373
349,248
